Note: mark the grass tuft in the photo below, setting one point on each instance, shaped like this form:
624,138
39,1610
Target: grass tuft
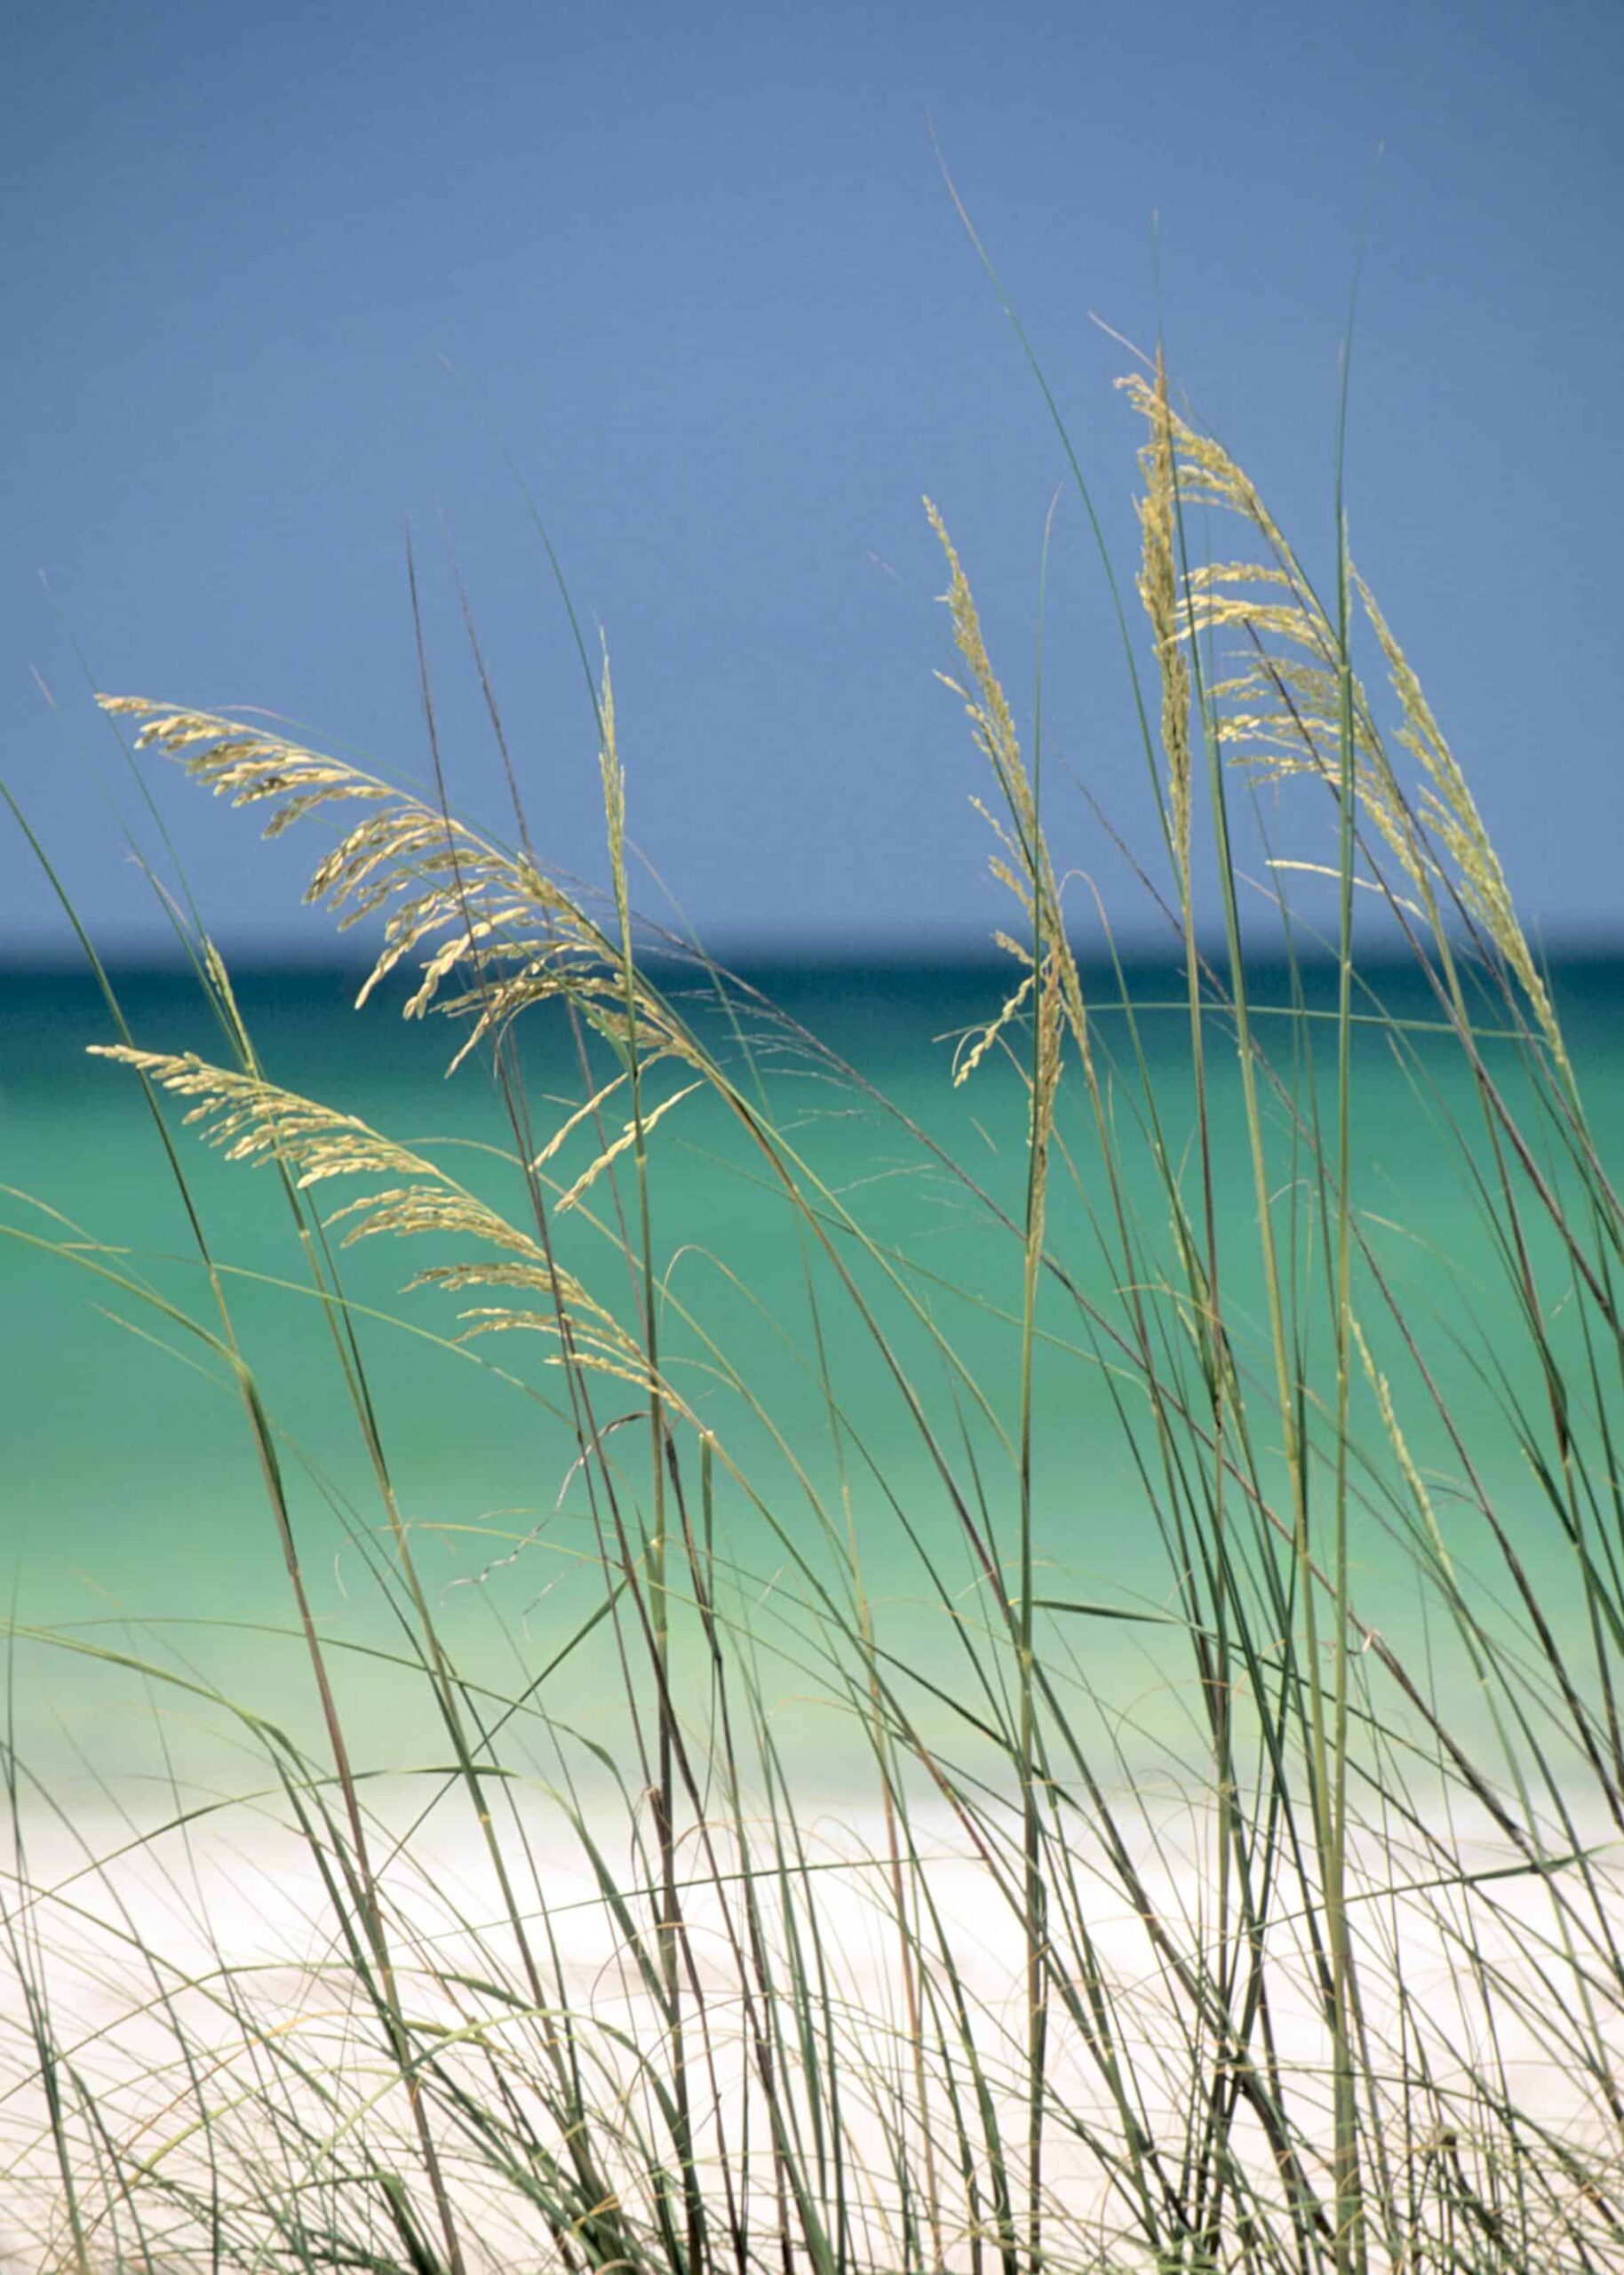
1307,1956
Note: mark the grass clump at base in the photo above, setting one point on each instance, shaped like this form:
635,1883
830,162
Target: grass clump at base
1319,1972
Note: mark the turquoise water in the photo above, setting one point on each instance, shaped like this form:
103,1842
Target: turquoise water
134,1506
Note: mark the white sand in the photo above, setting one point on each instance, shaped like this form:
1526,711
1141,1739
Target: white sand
227,1934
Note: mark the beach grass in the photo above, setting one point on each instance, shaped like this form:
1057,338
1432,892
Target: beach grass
1306,1956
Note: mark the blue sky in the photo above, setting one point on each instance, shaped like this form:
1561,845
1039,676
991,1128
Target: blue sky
279,282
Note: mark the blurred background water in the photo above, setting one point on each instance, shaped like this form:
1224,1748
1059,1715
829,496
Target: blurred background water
135,1513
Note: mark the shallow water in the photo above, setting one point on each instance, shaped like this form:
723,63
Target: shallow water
135,1506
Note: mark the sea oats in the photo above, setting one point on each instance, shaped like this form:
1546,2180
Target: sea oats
551,1280
612,775
1205,472
610,1344
249,1118
1205,574
969,1055
632,1134
1452,813
988,707
442,886
1047,1065
583,1326
627,1365
1282,713
1289,1946
572,1123
431,1209
1027,872
252,1120
1159,590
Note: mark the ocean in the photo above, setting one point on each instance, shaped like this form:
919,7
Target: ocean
136,1515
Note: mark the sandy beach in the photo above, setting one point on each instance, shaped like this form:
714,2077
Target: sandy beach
226,1935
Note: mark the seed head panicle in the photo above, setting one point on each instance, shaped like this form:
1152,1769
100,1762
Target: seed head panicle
614,781
472,906
1023,867
1206,474
988,706
1159,591
251,1119
1281,713
974,1046
632,1135
1449,811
